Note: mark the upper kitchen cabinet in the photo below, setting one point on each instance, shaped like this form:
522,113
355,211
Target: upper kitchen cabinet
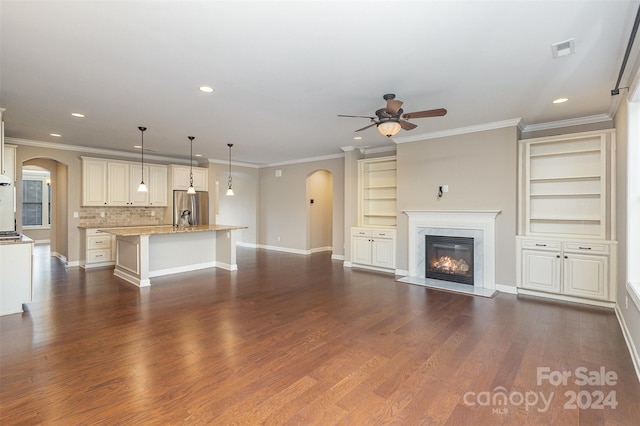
157,185
180,178
94,182
115,183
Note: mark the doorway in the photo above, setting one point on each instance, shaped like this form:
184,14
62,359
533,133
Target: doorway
320,211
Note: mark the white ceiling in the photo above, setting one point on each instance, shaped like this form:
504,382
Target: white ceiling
283,71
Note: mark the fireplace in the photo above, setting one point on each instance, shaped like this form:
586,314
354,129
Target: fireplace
449,258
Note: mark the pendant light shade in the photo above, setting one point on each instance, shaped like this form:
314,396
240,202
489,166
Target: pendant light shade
191,189
142,187
230,189
389,128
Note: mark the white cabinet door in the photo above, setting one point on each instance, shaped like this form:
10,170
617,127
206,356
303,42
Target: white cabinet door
382,252
118,184
138,198
94,183
200,178
585,276
157,186
181,178
361,250
541,270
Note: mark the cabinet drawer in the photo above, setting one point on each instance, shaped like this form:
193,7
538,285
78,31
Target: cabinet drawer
98,242
541,244
361,232
99,255
384,234
586,248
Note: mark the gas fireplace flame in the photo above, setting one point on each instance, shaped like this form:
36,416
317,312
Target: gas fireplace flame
450,265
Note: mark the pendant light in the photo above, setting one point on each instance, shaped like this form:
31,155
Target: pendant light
230,190
142,187
191,189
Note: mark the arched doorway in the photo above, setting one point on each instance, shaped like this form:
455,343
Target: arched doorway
56,215
320,211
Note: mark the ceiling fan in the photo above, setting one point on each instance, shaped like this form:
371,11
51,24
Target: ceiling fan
391,119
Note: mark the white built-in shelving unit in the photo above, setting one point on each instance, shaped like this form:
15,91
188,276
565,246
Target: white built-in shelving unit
377,192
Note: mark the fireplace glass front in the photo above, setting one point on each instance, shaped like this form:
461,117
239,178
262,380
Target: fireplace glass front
449,258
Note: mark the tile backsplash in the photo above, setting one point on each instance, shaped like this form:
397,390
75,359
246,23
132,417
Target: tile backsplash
122,216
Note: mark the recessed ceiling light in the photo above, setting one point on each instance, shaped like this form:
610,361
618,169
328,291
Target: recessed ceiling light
197,155
357,138
560,100
77,114
137,146
57,135
206,89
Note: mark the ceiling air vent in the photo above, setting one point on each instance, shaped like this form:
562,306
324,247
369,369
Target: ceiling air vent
563,48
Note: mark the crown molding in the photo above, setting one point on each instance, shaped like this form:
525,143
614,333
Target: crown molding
567,123
234,163
304,160
89,150
461,130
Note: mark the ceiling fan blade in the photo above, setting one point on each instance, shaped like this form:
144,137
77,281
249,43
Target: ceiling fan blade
356,116
406,125
393,106
424,114
366,127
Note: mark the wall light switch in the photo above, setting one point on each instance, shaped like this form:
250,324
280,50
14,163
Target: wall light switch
279,173
445,188
76,215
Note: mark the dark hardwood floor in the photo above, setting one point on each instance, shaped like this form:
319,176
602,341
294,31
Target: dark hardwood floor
292,339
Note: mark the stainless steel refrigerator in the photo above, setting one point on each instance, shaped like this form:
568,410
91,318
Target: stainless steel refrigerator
190,209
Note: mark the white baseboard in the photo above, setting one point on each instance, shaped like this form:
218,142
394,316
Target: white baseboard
507,289
635,358
227,266
243,244
347,264
337,257
320,249
402,272
601,303
283,249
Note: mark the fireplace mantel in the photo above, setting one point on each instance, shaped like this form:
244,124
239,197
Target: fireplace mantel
472,220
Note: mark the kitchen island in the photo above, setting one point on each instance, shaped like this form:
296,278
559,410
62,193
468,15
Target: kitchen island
146,252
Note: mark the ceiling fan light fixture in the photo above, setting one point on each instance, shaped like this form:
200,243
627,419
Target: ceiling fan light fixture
389,128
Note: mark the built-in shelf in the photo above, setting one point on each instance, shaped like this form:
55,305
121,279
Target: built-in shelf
565,185
377,192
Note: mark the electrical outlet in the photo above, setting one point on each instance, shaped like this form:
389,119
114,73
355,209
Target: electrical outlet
102,214
76,215
278,238
153,213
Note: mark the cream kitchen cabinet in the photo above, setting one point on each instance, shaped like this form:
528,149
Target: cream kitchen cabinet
94,182
157,185
98,249
569,269
181,178
373,248
115,183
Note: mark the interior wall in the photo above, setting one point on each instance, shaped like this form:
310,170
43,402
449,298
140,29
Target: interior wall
61,189
241,208
481,171
283,205
351,157
319,213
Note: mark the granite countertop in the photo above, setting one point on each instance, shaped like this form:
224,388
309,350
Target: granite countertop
23,240
166,229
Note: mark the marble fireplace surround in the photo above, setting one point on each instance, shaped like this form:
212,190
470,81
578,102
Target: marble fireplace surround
478,224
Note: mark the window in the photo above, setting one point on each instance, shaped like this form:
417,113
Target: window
36,200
